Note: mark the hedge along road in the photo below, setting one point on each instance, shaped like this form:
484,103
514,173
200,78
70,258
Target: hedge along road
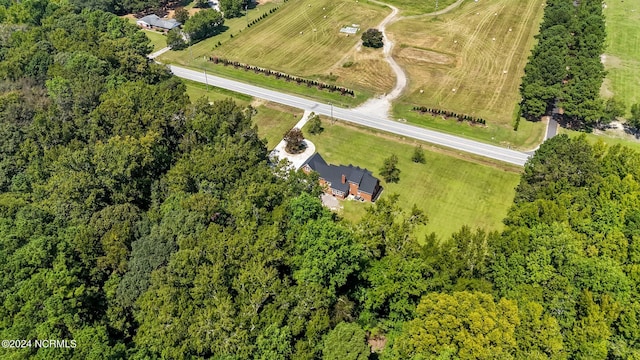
373,120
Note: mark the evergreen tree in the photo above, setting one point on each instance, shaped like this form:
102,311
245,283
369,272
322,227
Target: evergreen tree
389,170
372,38
315,125
418,155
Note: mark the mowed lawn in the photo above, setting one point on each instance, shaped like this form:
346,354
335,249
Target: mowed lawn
413,7
158,39
453,191
303,37
470,61
272,119
622,58
610,138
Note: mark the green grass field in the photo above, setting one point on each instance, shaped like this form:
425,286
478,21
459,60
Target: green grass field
271,82
196,90
276,43
453,191
622,59
303,37
206,47
413,7
158,40
470,61
609,138
273,119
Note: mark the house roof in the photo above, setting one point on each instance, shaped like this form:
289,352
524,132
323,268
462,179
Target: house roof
156,21
333,174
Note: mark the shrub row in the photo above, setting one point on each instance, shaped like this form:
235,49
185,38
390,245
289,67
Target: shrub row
449,114
279,75
255,21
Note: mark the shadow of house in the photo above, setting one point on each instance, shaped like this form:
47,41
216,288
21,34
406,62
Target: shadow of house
342,181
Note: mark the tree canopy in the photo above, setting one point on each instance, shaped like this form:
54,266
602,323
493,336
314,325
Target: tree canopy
144,225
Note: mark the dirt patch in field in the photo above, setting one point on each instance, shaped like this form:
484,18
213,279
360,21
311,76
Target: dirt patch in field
617,130
605,88
413,55
611,61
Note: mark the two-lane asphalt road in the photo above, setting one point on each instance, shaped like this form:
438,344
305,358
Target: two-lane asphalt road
375,121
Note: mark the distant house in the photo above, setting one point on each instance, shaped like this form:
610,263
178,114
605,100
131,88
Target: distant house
156,23
342,181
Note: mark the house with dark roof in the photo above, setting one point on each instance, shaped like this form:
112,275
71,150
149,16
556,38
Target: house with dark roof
342,181
155,22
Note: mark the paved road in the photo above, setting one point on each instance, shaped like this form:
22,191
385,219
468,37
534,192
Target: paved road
552,128
158,53
375,121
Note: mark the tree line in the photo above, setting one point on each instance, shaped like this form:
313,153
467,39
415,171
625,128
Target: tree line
147,226
280,75
564,69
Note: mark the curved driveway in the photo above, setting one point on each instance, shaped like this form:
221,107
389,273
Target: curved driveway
375,121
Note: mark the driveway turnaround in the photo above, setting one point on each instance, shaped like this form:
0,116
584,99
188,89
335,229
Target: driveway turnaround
373,120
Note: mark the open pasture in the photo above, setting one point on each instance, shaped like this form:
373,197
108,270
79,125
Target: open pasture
469,61
622,58
303,37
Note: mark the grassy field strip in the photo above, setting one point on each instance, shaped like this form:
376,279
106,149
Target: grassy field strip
453,191
470,61
609,138
272,83
413,7
622,58
519,37
158,40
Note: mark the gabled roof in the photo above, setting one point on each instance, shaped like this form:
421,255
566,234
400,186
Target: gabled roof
156,21
333,174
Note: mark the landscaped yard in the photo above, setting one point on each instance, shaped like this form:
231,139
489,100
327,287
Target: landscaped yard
158,39
470,61
452,190
274,120
622,58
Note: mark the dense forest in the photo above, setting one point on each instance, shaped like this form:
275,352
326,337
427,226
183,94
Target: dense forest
564,68
145,226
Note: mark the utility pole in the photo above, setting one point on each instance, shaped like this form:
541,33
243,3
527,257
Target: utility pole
190,52
332,120
436,5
